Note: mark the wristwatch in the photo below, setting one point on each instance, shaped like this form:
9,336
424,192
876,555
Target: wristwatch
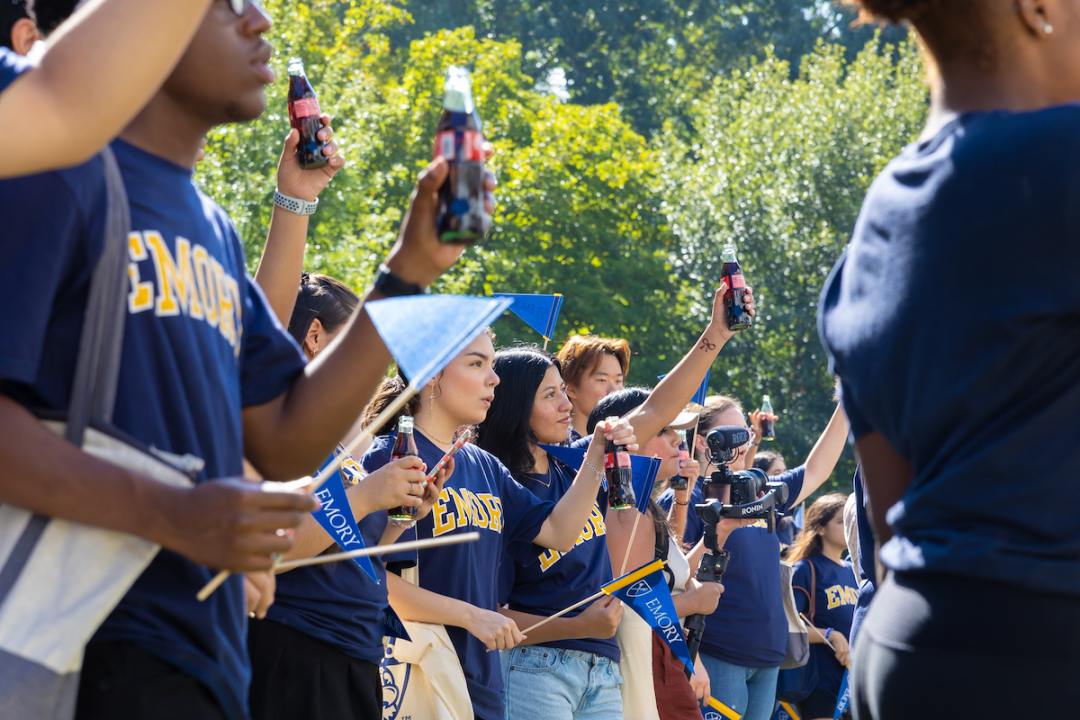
295,205
391,285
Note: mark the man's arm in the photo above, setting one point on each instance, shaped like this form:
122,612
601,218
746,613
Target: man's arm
823,458
886,476
669,398
100,69
230,525
326,399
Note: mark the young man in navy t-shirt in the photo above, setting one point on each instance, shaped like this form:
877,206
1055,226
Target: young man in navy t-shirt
206,370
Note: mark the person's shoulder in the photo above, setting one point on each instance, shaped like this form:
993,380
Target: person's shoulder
75,190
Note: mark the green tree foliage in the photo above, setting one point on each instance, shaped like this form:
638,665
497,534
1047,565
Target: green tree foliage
652,57
628,229
780,167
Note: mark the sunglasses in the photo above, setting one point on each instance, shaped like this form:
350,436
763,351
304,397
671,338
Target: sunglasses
240,6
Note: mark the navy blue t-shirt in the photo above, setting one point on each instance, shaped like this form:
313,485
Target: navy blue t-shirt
954,322
695,528
12,65
200,344
837,594
550,580
749,627
339,603
480,496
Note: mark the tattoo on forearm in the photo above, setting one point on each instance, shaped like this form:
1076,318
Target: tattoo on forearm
706,345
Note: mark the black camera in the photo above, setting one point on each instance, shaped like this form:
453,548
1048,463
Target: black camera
746,485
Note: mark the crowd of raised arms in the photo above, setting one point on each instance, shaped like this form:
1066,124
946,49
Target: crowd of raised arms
513,585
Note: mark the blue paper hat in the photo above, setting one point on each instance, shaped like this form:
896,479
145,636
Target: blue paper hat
644,470
425,332
702,392
540,312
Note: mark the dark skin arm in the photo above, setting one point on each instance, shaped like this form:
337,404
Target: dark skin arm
886,475
229,524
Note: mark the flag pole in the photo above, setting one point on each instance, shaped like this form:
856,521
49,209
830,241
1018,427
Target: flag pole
573,607
331,468
633,532
811,625
379,549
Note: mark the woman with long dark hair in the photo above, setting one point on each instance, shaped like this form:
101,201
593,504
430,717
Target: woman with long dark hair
569,668
457,584
825,593
939,410
316,654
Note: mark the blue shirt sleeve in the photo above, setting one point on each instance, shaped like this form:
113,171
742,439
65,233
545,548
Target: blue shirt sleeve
43,241
794,480
11,66
271,358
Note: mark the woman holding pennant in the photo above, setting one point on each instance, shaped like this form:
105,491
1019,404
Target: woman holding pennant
568,668
457,585
633,543
316,654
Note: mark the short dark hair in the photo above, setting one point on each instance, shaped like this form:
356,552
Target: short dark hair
11,12
49,14
505,432
764,459
618,404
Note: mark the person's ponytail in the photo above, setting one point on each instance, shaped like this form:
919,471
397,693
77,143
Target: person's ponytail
389,391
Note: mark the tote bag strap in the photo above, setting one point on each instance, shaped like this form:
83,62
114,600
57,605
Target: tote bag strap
97,369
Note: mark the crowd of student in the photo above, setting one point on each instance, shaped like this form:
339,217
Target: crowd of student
227,375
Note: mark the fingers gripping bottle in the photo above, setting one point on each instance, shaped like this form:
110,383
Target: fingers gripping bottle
459,139
681,482
768,431
404,445
304,114
735,311
620,478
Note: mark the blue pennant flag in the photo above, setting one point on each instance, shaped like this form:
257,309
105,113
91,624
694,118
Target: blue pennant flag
425,332
336,515
702,391
844,698
392,625
540,312
716,710
644,470
785,711
646,592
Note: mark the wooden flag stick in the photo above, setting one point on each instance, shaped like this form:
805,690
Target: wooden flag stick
815,629
330,469
573,607
626,555
380,549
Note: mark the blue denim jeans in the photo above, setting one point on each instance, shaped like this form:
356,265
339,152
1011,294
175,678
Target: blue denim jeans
749,691
557,684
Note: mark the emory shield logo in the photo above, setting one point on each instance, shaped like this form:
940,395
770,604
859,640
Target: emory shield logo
641,587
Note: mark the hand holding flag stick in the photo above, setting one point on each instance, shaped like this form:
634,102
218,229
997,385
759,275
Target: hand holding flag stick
819,633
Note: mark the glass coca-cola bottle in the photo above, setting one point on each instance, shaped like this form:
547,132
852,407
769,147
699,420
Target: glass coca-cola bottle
304,114
459,138
768,425
620,477
737,317
404,445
